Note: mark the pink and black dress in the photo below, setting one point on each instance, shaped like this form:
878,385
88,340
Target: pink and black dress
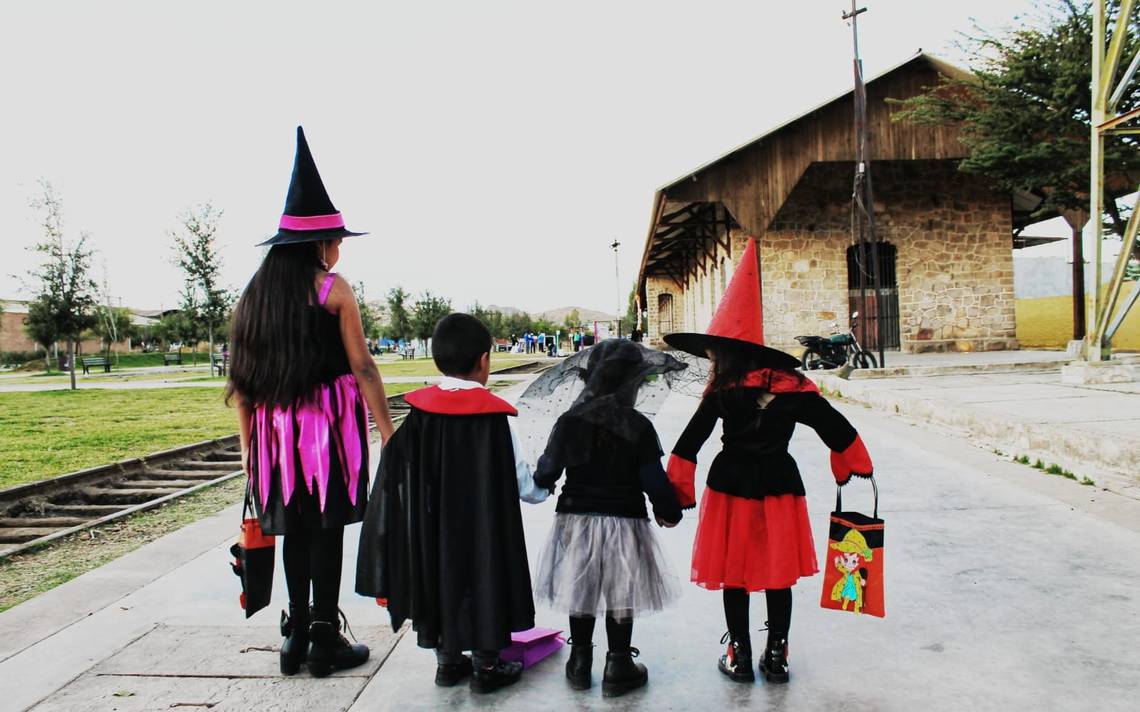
754,531
308,463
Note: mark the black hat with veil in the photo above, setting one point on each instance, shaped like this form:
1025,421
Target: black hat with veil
603,386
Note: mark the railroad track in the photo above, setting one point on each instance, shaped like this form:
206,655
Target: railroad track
40,512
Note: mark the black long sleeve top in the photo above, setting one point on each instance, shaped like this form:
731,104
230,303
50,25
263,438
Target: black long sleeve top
607,474
754,461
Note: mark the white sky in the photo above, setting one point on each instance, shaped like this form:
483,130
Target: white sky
493,149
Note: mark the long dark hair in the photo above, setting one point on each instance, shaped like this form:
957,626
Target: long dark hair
732,365
274,344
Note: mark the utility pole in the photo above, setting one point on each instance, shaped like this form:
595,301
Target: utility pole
617,283
863,205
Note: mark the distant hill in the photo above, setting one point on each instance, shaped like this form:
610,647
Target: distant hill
559,314
556,315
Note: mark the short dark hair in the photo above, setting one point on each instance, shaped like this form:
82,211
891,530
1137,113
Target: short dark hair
458,342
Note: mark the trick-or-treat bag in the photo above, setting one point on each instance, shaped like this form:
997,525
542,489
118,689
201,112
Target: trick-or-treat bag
530,646
853,564
253,561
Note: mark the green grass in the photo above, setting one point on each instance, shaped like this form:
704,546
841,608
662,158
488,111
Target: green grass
426,367
53,432
31,573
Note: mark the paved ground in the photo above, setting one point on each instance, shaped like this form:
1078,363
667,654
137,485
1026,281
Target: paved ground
1092,430
1007,590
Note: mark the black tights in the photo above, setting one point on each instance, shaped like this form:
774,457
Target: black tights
314,557
619,631
779,612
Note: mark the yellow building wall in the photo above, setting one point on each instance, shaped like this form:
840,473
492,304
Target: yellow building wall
1047,323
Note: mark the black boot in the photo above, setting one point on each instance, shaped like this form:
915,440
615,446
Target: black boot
736,662
774,664
450,674
295,629
492,673
622,674
578,667
329,650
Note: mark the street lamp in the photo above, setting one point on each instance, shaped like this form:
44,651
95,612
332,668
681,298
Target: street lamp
617,284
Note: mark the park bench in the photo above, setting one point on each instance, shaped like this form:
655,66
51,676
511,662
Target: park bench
96,361
219,363
408,352
172,359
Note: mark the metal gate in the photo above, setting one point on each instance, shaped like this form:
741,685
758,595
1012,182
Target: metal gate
871,312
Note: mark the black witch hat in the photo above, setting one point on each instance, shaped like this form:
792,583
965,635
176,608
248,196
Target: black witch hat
309,213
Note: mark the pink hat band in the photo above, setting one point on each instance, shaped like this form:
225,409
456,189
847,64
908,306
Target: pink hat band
311,222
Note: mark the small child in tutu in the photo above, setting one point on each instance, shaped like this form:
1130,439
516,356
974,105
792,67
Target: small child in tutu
602,557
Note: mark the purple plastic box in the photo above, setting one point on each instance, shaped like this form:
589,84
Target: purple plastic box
530,646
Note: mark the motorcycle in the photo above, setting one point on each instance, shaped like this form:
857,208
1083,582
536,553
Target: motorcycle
825,352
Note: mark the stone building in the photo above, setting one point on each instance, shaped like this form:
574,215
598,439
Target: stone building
946,237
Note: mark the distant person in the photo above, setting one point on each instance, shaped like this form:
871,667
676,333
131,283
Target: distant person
442,544
300,377
577,339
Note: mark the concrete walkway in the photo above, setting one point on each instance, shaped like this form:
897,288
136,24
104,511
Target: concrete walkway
1092,430
1007,590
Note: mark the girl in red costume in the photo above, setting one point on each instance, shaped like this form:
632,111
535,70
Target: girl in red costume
753,532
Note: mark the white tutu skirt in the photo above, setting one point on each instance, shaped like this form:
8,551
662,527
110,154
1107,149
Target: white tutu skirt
595,564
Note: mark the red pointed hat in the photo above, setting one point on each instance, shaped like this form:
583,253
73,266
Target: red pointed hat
739,320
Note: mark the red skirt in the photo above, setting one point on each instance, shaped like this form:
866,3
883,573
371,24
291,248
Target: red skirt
754,544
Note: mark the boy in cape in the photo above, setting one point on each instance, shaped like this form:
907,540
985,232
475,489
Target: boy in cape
442,538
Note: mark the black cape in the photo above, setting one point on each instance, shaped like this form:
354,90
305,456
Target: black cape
442,537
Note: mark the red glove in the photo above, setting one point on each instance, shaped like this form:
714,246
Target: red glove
855,460
682,475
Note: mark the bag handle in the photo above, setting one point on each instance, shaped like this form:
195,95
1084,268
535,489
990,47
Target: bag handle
247,505
839,497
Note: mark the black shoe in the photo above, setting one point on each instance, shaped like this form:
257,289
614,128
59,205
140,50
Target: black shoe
500,675
452,674
736,662
329,650
295,630
622,674
774,664
578,667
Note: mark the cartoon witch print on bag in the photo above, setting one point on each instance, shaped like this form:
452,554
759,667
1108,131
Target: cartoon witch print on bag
853,574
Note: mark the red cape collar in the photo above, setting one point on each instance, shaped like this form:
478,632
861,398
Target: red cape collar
472,401
778,381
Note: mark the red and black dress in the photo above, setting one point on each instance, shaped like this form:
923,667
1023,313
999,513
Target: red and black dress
753,531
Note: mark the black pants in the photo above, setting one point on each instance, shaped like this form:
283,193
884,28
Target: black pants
779,613
619,631
313,558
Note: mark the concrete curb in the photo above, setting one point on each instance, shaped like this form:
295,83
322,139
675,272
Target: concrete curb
968,368
1117,458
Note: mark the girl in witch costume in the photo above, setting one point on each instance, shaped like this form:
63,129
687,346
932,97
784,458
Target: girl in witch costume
602,557
753,532
303,382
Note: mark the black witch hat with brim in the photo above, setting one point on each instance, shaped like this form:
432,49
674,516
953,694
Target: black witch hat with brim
309,213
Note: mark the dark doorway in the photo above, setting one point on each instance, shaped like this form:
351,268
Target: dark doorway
869,312
665,313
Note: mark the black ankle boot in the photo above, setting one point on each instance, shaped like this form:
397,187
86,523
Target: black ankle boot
329,650
622,674
451,674
488,678
578,667
774,664
295,630
736,662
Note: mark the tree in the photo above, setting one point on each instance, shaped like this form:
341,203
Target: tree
629,319
205,299
428,310
399,321
493,319
112,325
65,298
368,318
41,328
573,320
1025,111
175,327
